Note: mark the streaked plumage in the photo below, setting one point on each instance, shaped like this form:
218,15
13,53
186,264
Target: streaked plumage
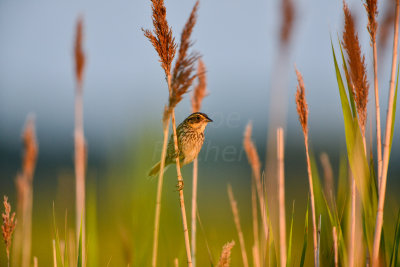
190,135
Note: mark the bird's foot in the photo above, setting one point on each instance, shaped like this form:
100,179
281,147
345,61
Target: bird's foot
179,186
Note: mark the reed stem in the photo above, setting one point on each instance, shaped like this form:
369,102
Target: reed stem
281,194
194,211
386,148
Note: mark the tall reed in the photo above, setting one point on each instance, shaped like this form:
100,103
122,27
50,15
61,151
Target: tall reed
302,111
281,194
178,83
199,93
80,143
387,145
236,219
24,185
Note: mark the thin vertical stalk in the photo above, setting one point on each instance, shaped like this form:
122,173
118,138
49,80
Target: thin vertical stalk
310,181
237,224
319,239
281,196
386,148
180,186
194,211
159,194
256,246
335,246
377,114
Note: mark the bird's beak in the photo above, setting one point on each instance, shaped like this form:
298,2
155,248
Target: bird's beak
208,119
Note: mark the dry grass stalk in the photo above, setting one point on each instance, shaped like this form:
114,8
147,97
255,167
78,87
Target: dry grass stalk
281,193
54,254
256,245
386,147
356,60
225,258
199,93
372,11
35,262
8,226
236,218
319,240
352,250
24,180
176,262
288,15
254,162
80,143
302,110
335,246
161,37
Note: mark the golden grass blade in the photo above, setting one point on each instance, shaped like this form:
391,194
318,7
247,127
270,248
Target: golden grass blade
236,218
335,246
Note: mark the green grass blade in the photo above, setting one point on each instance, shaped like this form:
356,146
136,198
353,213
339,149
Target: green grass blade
80,256
394,111
58,247
289,253
396,242
305,240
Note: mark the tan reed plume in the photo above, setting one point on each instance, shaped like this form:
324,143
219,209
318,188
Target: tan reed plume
356,60
80,143
225,258
254,162
281,193
200,90
236,218
386,24
371,7
302,110
288,15
8,226
182,76
386,144
199,93
24,180
161,37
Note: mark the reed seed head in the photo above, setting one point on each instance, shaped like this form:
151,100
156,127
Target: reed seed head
31,148
301,103
200,91
356,62
387,23
288,14
225,258
251,150
8,226
79,54
182,76
372,11
161,37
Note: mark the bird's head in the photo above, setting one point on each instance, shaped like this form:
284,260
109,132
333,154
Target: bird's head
198,121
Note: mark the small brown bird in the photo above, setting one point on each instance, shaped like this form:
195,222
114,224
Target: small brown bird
190,134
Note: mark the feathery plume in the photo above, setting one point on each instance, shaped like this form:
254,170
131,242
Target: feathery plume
372,10
387,23
225,258
182,77
8,226
287,21
200,91
161,38
301,103
356,60
251,150
31,149
79,54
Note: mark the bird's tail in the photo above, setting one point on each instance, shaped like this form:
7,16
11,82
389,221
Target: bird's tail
156,169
